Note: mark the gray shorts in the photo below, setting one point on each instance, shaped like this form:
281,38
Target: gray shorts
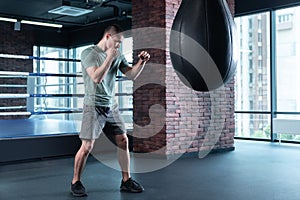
98,119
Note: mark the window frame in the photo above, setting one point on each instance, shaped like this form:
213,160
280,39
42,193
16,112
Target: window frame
273,113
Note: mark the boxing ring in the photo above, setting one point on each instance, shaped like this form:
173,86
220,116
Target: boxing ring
25,128
33,129
33,126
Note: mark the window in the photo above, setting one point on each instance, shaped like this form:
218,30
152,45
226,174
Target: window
249,99
53,88
260,77
282,18
250,63
253,110
259,37
256,126
259,23
250,34
124,87
260,50
260,65
250,20
288,68
285,18
288,64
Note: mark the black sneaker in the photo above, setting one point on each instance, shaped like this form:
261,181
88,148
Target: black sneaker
78,189
131,186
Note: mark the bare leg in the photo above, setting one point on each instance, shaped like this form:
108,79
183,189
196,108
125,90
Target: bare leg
123,155
81,157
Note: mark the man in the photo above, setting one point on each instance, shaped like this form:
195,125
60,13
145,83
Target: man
100,64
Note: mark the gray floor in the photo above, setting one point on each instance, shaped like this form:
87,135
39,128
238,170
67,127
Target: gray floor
255,170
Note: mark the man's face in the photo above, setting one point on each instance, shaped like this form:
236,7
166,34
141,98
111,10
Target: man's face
114,40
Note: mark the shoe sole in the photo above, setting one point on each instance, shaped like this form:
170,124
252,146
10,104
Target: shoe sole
78,195
131,191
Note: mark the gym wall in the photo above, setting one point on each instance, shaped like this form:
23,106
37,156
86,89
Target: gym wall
16,43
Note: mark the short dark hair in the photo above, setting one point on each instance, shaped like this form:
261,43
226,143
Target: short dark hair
113,28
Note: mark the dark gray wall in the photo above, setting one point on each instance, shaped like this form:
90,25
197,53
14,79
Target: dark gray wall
51,37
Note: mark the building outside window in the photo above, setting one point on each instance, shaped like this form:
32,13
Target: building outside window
249,79
253,83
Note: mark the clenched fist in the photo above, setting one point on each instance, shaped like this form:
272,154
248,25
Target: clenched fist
112,53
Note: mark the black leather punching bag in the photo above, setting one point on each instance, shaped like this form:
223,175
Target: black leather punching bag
203,44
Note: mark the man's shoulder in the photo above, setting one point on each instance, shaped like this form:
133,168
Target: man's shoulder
88,50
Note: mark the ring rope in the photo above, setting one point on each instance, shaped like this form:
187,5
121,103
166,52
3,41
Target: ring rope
13,86
24,57
12,107
14,113
26,74
14,96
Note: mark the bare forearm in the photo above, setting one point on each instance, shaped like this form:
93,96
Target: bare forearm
101,71
136,70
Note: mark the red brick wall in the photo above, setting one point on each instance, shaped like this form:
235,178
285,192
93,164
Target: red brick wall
189,115
17,43
148,14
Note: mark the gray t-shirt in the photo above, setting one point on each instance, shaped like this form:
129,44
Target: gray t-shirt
101,94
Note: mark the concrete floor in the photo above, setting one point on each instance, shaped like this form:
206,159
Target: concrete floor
254,171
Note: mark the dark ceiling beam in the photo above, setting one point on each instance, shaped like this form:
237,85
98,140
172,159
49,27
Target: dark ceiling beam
114,4
92,34
244,7
20,17
70,38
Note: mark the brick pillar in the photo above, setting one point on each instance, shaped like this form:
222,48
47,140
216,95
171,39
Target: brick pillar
187,116
16,43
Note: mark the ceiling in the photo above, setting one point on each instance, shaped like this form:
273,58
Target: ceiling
103,10
37,10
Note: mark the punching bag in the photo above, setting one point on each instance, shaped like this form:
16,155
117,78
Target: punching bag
203,44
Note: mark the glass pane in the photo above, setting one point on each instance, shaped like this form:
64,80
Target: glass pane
288,59
127,116
286,136
252,126
53,84
127,45
51,52
125,101
52,66
252,84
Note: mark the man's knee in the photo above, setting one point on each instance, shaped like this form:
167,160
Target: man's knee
122,141
87,146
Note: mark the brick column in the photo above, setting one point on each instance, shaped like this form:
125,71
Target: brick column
188,114
16,43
